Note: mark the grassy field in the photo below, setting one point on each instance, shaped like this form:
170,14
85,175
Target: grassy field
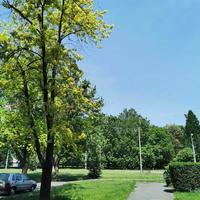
113,185
187,195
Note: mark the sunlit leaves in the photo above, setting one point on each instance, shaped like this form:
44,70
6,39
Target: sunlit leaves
47,32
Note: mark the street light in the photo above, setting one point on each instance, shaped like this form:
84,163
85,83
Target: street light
140,148
193,148
7,159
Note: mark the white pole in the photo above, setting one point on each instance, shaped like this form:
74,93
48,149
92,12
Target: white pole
7,157
86,160
140,148
193,149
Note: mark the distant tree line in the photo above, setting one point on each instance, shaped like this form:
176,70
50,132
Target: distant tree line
119,142
111,142
160,145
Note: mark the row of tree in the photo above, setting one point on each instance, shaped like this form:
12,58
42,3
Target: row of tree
117,140
110,142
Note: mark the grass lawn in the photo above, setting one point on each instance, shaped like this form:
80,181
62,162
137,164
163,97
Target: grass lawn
113,185
187,195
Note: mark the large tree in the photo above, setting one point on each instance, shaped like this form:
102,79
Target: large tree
159,149
40,76
121,132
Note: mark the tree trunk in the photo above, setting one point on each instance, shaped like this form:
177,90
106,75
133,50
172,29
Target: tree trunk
45,189
25,168
23,157
46,182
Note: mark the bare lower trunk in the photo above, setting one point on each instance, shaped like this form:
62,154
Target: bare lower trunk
46,183
25,168
47,166
23,157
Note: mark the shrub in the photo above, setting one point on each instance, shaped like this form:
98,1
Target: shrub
95,142
185,176
94,171
167,177
185,155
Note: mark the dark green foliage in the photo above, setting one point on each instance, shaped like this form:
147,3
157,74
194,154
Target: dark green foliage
121,133
192,124
185,176
185,155
158,151
167,177
94,170
193,127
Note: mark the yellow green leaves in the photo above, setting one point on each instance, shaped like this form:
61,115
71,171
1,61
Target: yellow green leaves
40,78
82,136
3,37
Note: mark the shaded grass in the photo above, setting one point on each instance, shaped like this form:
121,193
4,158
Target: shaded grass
64,174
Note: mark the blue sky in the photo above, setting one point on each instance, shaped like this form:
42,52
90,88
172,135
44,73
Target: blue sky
151,62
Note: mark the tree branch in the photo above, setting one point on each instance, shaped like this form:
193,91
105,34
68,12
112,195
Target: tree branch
8,5
30,115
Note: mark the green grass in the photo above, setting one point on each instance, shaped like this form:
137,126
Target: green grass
113,185
81,174
93,190
187,195
153,176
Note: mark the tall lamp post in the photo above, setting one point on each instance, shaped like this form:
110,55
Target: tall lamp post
7,159
193,148
140,147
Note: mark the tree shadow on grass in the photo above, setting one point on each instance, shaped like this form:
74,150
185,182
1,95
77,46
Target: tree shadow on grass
66,192
60,177
70,177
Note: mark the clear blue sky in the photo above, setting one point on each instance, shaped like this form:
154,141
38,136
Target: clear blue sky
151,62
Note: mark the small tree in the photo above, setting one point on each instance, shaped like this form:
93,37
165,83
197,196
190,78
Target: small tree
94,146
193,128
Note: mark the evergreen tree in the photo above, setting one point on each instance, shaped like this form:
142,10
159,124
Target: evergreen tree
193,128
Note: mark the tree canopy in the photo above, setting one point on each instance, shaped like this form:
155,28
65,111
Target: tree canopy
40,78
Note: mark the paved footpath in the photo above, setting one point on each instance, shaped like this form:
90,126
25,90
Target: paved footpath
151,191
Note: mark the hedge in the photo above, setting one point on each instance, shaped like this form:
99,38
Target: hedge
185,176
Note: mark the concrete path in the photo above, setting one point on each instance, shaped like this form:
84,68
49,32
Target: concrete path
151,191
53,184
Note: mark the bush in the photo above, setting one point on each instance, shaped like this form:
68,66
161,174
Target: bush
94,171
185,155
185,176
167,177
